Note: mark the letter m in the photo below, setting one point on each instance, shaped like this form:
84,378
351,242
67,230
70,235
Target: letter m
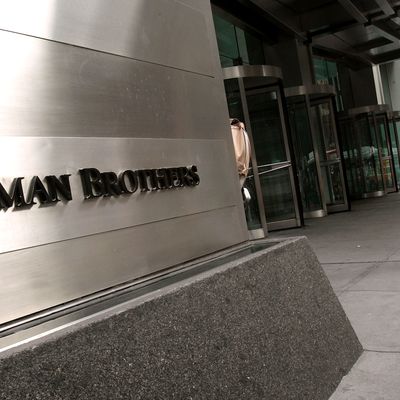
14,197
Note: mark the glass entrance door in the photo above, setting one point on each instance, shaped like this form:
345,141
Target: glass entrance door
254,97
386,154
323,124
394,125
273,157
369,150
307,160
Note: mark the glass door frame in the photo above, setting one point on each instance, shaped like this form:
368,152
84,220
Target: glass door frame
389,147
272,77
332,208
368,113
313,95
393,118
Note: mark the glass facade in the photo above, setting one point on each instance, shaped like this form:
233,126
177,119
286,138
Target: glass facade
237,46
268,137
305,157
368,154
394,126
326,73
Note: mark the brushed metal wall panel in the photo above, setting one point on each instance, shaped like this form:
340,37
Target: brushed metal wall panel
50,89
165,32
47,156
45,276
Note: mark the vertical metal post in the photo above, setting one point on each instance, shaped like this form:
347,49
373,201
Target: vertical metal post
316,154
260,200
295,187
378,142
339,147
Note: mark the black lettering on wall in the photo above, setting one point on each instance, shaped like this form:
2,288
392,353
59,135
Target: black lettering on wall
192,170
128,181
14,197
173,177
91,183
184,177
143,173
153,179
111,184
59,187
37,189
162,178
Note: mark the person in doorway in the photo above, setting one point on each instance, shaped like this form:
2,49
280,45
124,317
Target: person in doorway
241,144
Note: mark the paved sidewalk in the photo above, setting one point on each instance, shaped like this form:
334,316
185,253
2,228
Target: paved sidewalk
360,253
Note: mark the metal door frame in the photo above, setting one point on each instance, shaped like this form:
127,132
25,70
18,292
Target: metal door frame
380,146
322,212
376,193
368,112
390,150
283,224
268,72
393,118
322,94
326,163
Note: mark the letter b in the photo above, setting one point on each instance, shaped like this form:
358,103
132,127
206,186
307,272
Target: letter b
92,184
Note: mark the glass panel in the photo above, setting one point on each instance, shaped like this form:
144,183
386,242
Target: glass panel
322,121
395,150
254,49
236,111
326,72
387,170
352,159
267,128
380,121
333,184
305,157
226,39
233,98
268,140
369,155
328,148
277,194
237,46
251,208
387,173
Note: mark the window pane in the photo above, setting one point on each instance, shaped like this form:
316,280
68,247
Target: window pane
226,39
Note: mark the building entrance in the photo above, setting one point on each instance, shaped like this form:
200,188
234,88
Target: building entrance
368,152
394,131
317,151
254,95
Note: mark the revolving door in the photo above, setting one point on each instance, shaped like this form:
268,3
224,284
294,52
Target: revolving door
316,148
254,95
394,132
367,151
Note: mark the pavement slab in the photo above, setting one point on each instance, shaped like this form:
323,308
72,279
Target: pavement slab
376,376
341,276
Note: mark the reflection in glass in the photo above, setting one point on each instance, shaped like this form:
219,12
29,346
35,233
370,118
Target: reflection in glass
251,208
277,194
370,155
328,149
387,173
305,157
233,98
266,126
333,185
271,154
237,46
352,160
380,121
395,149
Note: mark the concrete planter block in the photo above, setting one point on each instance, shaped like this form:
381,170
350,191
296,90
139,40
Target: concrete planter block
267,326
